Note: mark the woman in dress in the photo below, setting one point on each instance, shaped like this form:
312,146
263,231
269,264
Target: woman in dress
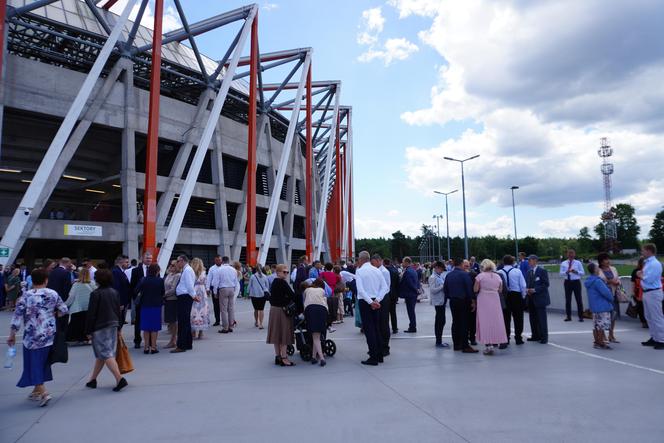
610,276
13,288
103,325
152,291
37,310
315,313
77,302
170,302
600,300
280,326
490,321
200,310
259,289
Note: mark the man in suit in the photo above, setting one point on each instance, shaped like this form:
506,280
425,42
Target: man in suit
121,284
472,315
59,279
394,293
385,304
408,289
211,278
538,299
458,289
137,274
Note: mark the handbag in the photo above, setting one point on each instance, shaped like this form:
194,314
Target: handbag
59,352
266,293
632,310
291,309
122,356
621,294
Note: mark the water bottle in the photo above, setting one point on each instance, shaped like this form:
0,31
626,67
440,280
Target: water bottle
9,357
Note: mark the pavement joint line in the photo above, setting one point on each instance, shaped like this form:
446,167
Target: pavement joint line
612,360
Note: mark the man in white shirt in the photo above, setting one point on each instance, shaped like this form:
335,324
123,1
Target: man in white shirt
224,283
87,263
572,270
515,283
371,288
186,295
385,304
212,277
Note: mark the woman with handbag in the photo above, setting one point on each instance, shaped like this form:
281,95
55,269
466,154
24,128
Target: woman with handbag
37,310
315,313
282,308
103,327
259,293
610,276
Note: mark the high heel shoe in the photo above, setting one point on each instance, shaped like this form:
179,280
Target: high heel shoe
154,351
146,351
277,361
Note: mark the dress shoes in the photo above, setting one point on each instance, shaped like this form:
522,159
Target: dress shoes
503,346
533,339
470,350
659,345
177,351
544,341
568,319
473,343
519,341
395,331
380,359
216,324
410,331
370,362
650,342
137,346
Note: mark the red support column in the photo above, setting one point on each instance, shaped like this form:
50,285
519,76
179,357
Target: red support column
252,253
110,3
309,181
150,195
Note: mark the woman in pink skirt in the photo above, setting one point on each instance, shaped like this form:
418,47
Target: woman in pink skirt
490,323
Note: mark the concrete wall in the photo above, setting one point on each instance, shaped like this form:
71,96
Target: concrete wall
557,293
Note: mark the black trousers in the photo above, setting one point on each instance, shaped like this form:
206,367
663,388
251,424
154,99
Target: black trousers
514,311
472,324
185,340
410,308
384,323
137,324
370,323
394,298
460,309
573,287
216,307
538,321
439,323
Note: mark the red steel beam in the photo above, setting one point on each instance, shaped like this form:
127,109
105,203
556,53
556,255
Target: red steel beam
309,206
150,195
252,253
337,196
109,4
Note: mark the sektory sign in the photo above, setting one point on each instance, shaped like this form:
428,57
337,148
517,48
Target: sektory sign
83,230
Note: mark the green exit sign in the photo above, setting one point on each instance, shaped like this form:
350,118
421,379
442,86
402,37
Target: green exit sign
4,252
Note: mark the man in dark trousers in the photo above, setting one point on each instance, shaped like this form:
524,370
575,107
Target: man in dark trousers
121,284
538,299
394,293
458,289
301,274
211,278
137,274
385,304
472,315
572,271
408,288
59,279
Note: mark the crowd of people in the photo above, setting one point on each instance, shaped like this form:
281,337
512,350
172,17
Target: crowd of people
91,305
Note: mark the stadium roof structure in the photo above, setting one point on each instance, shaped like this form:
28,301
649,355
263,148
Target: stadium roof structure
84,36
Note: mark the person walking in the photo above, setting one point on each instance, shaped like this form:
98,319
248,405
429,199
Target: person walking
651,282
186,295
212,277
225,282
538,299
638,292
385,303
438,301
151,289
137,274
280,325
490,322
77,304
371,287
572,271
13,288
103,326
170,302
600,300
609,274
316,315
331,279
458,289
409,288
259,292
37,311
515,285
200,310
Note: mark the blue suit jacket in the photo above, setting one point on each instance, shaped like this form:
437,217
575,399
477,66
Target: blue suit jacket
59,279
458,285
540,282
409,284
121,285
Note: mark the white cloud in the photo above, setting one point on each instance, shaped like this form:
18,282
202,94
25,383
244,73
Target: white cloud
170,21
407,8
269,6
371,26
394,49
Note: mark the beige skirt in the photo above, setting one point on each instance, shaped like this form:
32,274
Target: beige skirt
279,327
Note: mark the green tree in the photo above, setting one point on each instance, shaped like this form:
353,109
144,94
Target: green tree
627,227
656,233
585,241
399,245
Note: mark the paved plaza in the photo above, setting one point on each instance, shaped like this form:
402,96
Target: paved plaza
228,390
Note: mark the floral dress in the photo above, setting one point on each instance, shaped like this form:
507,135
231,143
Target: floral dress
37,312
200,310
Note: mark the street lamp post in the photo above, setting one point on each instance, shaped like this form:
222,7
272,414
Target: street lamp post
463,193
516,239
447,220
440,251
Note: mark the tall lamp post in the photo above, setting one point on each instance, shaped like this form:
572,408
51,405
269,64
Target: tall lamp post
447,219
463,192
440,252
516,239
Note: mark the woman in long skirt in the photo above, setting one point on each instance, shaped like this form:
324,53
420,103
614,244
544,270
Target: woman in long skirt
200,310
77,302
490,321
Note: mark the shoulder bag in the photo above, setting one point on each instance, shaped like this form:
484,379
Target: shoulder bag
266,293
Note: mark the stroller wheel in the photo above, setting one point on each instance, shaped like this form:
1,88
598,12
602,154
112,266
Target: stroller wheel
305,352
329,348
290,350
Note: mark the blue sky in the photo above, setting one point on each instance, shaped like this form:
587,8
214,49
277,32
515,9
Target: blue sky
532,87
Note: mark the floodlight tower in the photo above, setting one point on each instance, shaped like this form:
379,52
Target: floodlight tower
608,217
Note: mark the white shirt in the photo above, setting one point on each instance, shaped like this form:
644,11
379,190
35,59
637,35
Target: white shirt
128,272
186,283
92,270
370,283
516,282
386,275
212,277
576,265
293,275
224,277
347,276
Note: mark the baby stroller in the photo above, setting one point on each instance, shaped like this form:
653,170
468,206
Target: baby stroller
304,341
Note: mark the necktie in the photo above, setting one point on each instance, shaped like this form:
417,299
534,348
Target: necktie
569,274
531,278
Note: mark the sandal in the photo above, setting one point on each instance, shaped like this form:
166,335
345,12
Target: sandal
613,340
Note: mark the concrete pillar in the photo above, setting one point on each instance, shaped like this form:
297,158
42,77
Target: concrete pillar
220,210
128,169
